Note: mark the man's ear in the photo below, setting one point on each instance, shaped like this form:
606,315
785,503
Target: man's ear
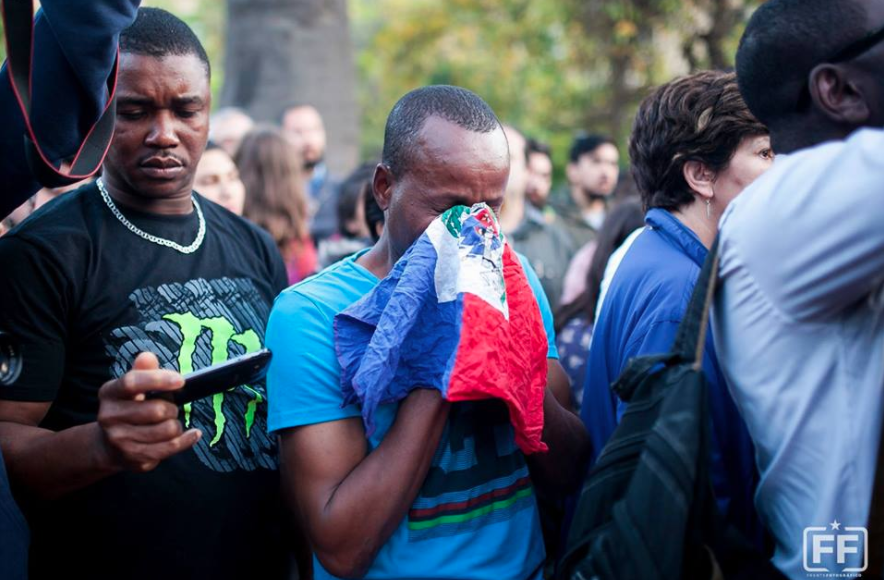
700,179
382,185
838,96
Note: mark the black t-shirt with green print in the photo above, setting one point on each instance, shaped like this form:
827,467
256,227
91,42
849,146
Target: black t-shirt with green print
84,295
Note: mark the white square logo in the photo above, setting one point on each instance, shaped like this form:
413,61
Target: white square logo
836,550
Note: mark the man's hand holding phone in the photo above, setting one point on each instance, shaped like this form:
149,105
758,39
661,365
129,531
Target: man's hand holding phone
139,433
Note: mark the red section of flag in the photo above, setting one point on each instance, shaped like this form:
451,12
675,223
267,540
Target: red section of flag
515,369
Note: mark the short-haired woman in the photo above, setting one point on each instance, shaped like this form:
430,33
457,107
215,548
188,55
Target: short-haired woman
695,146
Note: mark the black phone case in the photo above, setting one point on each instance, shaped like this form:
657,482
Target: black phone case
246,369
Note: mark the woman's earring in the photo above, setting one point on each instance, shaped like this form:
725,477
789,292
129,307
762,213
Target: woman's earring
708,209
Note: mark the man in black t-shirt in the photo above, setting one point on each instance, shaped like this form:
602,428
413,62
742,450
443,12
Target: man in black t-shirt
113,485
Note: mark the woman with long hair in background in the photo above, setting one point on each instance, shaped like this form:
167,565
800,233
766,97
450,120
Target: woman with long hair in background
270,167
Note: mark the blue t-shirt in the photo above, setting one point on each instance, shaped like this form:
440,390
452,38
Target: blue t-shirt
476,514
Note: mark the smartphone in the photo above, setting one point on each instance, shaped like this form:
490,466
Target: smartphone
245,369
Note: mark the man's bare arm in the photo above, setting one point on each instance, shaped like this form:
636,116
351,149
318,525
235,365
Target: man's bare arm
559,384
349,501
561,470
131,433
46,464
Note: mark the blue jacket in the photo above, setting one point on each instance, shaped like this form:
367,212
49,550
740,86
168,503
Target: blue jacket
646,300
75,45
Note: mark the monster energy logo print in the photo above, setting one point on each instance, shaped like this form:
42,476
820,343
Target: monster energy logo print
194,325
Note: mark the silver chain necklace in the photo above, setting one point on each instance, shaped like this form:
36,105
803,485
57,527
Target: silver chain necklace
201,234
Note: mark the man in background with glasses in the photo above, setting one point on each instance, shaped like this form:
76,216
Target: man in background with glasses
800,318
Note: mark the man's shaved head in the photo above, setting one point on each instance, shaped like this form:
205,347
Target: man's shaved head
782,43
456,105
159,33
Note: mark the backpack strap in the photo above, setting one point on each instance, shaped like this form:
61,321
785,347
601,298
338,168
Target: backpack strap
691,337
18,21
635,371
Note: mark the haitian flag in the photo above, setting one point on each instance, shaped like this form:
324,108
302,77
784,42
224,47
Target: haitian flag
456,313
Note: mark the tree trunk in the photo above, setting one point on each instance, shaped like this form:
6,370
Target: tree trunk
725,16
621,97
280,52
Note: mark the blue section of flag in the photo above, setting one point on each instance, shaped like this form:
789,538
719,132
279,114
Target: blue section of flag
398,337
403,335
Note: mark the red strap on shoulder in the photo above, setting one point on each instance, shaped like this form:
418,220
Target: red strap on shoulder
18,21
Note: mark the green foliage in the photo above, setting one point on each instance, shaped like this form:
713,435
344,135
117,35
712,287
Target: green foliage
553,68
504,51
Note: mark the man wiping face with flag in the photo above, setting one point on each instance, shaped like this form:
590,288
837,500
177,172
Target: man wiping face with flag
437,489
457,314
